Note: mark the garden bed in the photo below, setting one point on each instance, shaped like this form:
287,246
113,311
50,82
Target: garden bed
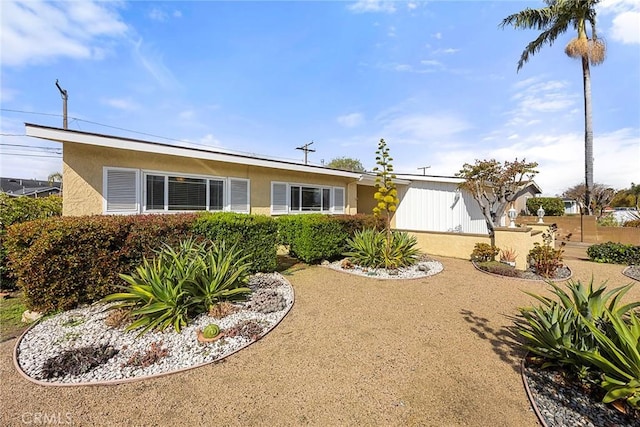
49,353
561,400
499,269
423,268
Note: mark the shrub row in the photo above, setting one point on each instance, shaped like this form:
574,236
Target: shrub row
553,206
61,263
315,237
14,210
614,253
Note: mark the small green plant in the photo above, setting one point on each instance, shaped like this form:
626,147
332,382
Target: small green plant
553,206
614,253
608,221
499,268
211,331
73,322
483,252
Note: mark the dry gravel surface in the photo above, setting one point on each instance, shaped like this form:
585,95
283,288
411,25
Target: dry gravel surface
353,351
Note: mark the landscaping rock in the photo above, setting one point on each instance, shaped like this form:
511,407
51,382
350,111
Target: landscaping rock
30,316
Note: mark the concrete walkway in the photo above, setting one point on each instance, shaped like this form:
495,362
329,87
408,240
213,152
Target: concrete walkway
353,351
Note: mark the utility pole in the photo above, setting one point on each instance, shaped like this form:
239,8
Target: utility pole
65,97
424,170
306,150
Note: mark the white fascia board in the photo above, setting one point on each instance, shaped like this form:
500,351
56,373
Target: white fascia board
431,178
370,180
62,135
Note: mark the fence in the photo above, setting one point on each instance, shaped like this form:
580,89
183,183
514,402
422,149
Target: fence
573,228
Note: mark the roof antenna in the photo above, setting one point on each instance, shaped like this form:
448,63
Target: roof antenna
306,150
65,97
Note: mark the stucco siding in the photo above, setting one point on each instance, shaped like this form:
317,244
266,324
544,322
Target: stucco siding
83,176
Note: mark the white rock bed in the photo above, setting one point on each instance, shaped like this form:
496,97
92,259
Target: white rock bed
86,326
413,272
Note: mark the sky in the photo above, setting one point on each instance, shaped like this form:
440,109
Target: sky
437,80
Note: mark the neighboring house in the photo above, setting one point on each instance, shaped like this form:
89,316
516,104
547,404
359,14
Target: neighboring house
28,187
113,175
571,206
531,191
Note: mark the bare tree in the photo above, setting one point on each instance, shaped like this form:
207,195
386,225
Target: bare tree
601,195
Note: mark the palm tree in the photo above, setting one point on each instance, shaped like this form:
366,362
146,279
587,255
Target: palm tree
553,20
55,177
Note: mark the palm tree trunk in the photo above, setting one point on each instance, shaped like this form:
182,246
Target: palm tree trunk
588,134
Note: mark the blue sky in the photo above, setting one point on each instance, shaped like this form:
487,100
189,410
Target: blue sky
437,80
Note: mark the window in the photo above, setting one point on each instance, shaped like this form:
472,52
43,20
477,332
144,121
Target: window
125,192
120,188
298,198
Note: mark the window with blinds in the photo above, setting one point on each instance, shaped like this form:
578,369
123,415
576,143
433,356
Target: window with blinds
297,198
121,190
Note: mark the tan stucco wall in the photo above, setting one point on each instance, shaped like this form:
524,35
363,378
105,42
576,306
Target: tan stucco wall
83,176
455,245
460,245
366,202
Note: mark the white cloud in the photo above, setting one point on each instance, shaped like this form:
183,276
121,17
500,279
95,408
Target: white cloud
157,15
431,63
412,5
447,51
351,120
437,36
36,32
626,28
125,104
177,14
424,128
186,114
392,31
626,20
364,6
153,62
534,97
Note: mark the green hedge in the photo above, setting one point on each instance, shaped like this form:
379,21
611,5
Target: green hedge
316,237
15,210
614,253
63,262
553,206
256,233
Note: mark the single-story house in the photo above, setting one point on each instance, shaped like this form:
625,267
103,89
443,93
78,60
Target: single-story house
16,187
106,174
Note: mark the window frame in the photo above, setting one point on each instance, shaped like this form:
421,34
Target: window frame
105,191
327,210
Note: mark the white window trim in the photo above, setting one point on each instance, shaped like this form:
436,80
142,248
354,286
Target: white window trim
290,211
226,197
105,195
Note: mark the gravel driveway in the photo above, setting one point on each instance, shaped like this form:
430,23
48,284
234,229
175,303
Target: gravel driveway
352,351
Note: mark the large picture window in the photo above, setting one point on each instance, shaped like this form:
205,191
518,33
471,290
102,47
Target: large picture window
299,198
130,191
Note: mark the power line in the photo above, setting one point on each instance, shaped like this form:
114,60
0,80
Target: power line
30,112
30,155
29,146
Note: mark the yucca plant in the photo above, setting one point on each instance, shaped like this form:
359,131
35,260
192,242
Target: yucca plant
617,356
223,275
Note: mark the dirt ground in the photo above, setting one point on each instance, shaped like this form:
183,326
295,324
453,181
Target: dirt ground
352,351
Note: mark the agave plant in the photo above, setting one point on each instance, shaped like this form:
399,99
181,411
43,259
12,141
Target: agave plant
617,356
223,275
555,330
401,251
365,248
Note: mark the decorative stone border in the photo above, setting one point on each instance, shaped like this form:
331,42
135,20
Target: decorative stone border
624,273
527,390
143,377
524,280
